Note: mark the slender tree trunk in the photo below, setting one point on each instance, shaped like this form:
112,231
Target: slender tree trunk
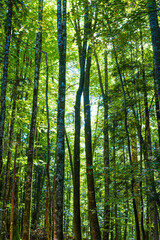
148,152
94,224
26,217
126,210
95,134
4,80
60,157
14,224
76,175
138,124
112,224
7,180
16,218
141,185
155,34
106,145
48,194
135,168
13,196
39,177
131,163
106,156
157,108
68,204
115,180
70,154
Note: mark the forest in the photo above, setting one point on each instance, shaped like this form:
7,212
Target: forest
80,120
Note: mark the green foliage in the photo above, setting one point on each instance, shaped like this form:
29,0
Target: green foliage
127,19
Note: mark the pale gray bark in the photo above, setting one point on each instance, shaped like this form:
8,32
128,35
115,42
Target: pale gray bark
60,154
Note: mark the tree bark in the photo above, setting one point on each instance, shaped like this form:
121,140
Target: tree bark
4,80
115,179
94,224
7,179
148,153
126,202
60,157
76,162
106,145
70,153
26,218
14,228
157,107
48,194
135,168
155,34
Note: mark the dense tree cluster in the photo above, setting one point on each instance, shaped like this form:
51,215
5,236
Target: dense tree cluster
80,120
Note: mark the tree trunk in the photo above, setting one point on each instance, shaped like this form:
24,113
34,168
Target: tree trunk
148,154
14,218
115,181
106,145
135,168
4,80
106,157
157,107
70,154
155,34
26,217
76,175
7,180
68,204
60,157
13,196
37,196
96,136
48,194
94,224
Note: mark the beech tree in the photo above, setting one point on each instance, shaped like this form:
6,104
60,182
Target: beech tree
26,218
60,152
82,48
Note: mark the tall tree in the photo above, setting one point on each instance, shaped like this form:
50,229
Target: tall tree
155,34
26,218
60,154
148,151
93,218
48,194
7,178
4,78
104,91
76,162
